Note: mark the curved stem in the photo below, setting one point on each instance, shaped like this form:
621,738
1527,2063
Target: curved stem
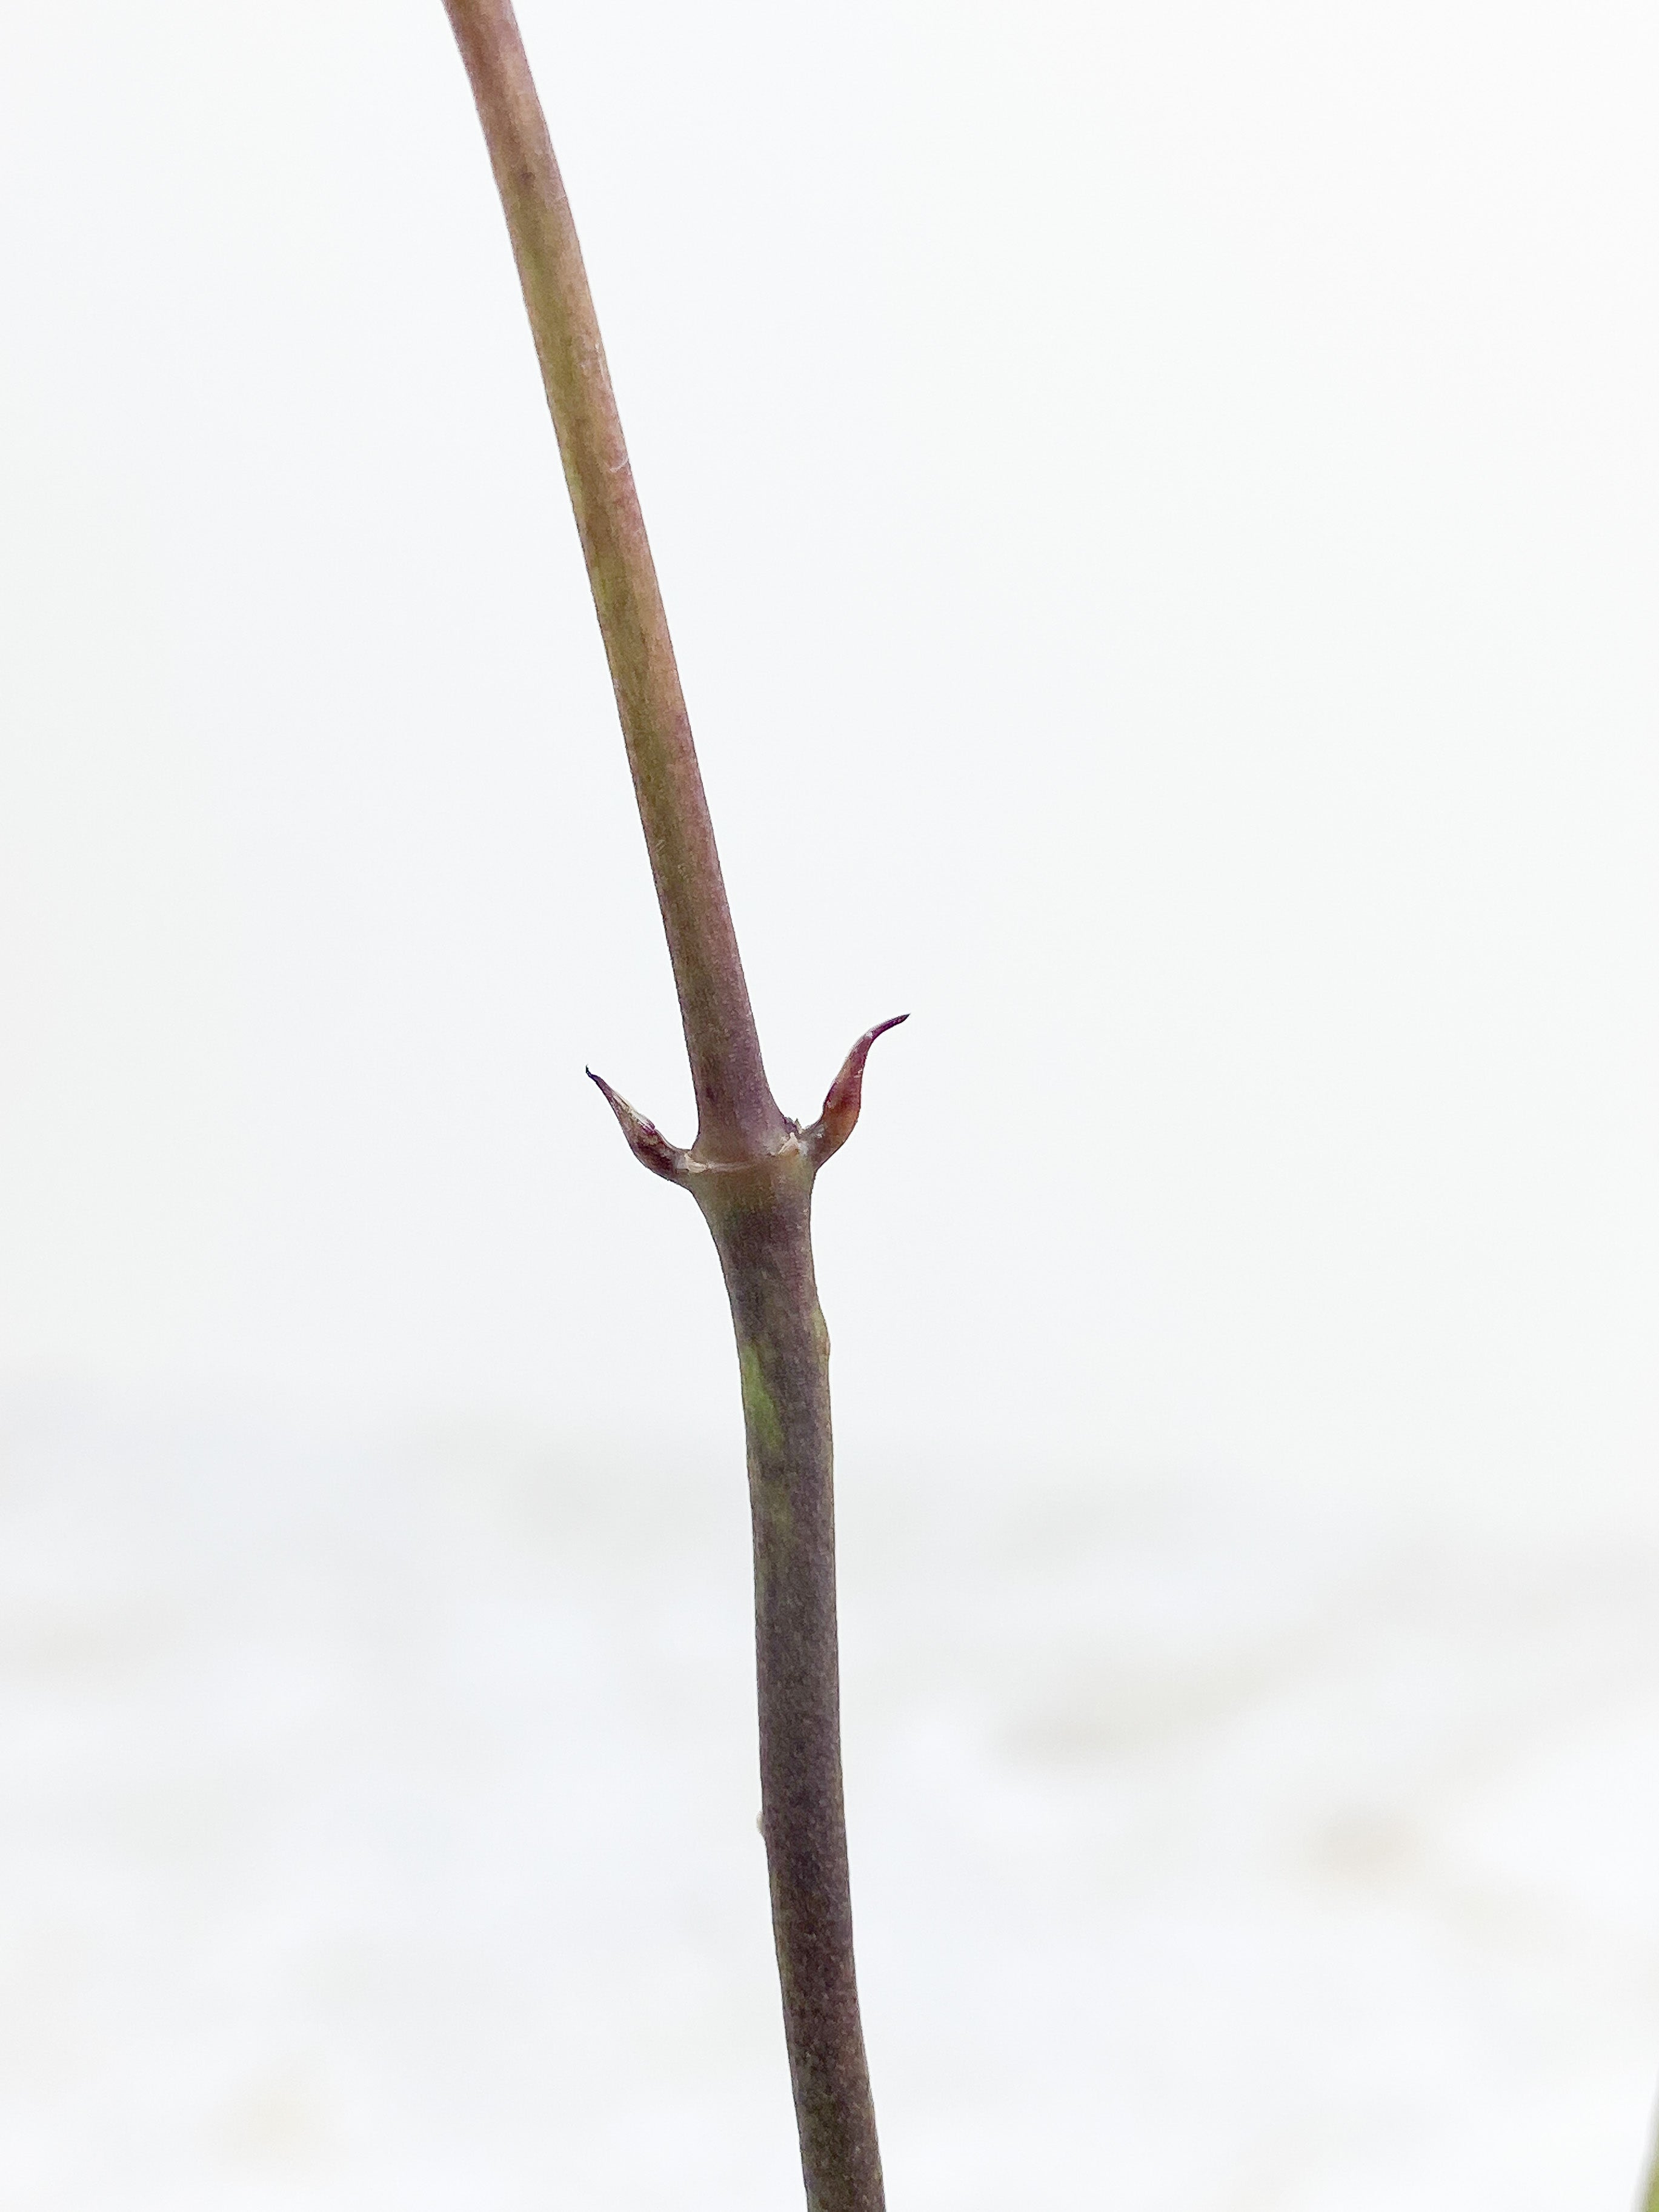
750,1170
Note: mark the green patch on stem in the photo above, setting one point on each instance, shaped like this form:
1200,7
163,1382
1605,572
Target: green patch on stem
760,1408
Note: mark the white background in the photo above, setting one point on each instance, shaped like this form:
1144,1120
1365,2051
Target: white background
1156,508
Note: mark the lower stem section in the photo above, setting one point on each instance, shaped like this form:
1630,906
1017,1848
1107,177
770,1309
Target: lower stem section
761,1220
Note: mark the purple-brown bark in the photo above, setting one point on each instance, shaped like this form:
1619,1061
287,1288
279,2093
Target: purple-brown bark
750,1169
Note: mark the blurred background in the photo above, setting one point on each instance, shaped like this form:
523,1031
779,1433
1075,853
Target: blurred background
1157,508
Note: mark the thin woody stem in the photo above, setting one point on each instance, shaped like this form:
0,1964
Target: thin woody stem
750,1170
737,1117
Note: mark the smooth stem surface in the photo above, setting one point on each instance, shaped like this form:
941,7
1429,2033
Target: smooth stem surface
737,1116
750,1170
761,1228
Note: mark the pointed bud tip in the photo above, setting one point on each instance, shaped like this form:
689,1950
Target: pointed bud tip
846,1095
644,1139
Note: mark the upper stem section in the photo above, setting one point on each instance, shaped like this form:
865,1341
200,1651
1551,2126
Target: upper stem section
738,1118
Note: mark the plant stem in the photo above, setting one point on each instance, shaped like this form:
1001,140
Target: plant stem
761,1228
737,1113
750,1169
